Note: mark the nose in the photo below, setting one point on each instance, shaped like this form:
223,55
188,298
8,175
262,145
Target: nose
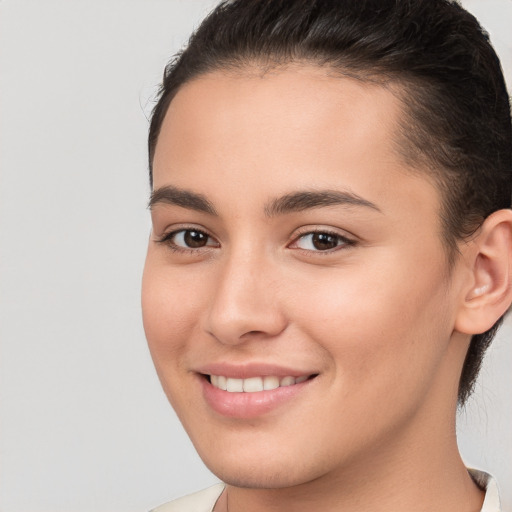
245,302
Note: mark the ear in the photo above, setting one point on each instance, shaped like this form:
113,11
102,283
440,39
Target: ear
488,294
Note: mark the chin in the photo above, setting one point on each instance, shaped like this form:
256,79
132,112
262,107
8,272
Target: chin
260,477
274,470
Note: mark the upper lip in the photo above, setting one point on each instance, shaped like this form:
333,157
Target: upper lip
248,370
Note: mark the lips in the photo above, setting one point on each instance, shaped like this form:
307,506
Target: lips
249,391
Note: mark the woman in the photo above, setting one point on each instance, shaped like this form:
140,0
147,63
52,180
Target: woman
331,250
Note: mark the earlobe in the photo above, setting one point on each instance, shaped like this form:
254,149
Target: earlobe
490,263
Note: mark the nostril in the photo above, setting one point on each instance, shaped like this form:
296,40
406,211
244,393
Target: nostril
252,334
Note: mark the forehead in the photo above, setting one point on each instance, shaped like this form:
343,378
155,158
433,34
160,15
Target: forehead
307,101
296,127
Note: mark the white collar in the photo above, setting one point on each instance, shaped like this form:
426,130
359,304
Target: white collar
487,482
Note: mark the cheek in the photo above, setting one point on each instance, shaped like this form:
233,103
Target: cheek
170,308
380,325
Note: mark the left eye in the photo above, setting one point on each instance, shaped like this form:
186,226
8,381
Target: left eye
320,241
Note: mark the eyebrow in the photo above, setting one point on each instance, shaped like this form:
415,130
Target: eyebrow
292,202
181,197
305,200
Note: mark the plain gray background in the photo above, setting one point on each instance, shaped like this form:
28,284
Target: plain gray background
84,424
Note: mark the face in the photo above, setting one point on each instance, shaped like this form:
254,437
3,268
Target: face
295,295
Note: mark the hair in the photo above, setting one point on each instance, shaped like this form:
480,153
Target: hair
456,122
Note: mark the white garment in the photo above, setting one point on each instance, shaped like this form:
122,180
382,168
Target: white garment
204,501
487,482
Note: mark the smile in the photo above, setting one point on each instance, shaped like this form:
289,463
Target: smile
244,394
254,384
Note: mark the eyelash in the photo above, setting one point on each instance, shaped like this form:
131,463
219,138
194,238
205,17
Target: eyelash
343,241
167,239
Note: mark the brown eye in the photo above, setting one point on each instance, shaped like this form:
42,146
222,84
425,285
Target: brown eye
321,241
195,239
191,239
324,241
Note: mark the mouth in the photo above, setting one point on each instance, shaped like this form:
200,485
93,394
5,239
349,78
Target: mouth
254,384
250,390
252,396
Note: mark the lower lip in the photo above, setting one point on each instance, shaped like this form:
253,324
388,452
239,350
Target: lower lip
249,405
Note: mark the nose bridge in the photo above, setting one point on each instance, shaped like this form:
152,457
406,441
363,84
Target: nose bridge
245,300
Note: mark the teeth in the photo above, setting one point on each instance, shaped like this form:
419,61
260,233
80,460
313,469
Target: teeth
235,385
287,381
254,384
270,382
223,384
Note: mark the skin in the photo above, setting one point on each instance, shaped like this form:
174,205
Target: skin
375,318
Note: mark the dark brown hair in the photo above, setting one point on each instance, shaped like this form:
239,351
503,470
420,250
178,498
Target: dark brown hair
456,121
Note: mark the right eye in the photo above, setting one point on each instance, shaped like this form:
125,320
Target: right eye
189,239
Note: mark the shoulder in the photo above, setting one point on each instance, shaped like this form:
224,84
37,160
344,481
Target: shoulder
202,501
